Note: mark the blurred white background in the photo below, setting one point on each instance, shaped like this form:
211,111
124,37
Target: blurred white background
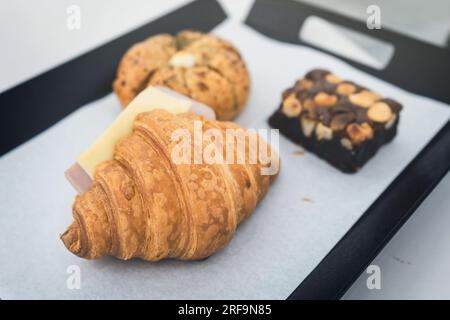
34,38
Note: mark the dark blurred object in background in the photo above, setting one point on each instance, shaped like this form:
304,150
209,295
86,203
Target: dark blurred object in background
424,20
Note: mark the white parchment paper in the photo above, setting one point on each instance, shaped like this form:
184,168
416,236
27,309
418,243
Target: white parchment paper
272,252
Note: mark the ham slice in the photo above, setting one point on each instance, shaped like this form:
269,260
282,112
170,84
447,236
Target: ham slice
79,179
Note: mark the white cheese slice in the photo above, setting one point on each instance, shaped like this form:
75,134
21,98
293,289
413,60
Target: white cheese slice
149,99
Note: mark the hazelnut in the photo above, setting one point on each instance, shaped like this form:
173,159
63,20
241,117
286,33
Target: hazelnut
379,112
304,84
183,60
324,99
291,106
332,78
307,126
345,89
323,132
359,132
367,130
346,143
364,98
390,122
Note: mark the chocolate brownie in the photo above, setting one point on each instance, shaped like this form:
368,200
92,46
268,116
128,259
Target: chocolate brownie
340,121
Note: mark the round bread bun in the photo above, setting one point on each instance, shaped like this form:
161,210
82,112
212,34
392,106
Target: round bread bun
199,65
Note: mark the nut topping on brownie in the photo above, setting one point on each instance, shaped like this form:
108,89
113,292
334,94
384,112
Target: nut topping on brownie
339,120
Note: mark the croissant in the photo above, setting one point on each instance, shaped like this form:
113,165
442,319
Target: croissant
143,204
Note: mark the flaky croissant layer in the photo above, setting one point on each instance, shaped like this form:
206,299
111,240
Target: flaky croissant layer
142,204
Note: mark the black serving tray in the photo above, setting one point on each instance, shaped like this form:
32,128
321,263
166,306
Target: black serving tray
416,66
35,105
42,101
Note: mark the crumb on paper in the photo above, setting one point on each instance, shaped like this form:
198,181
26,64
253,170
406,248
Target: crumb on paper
299,152
306,199
401,260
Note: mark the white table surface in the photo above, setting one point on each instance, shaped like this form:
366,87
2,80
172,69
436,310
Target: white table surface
34,37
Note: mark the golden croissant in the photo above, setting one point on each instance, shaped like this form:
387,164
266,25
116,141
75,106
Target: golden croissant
142,204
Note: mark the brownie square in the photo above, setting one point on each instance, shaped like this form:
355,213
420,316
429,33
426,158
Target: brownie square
340,121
